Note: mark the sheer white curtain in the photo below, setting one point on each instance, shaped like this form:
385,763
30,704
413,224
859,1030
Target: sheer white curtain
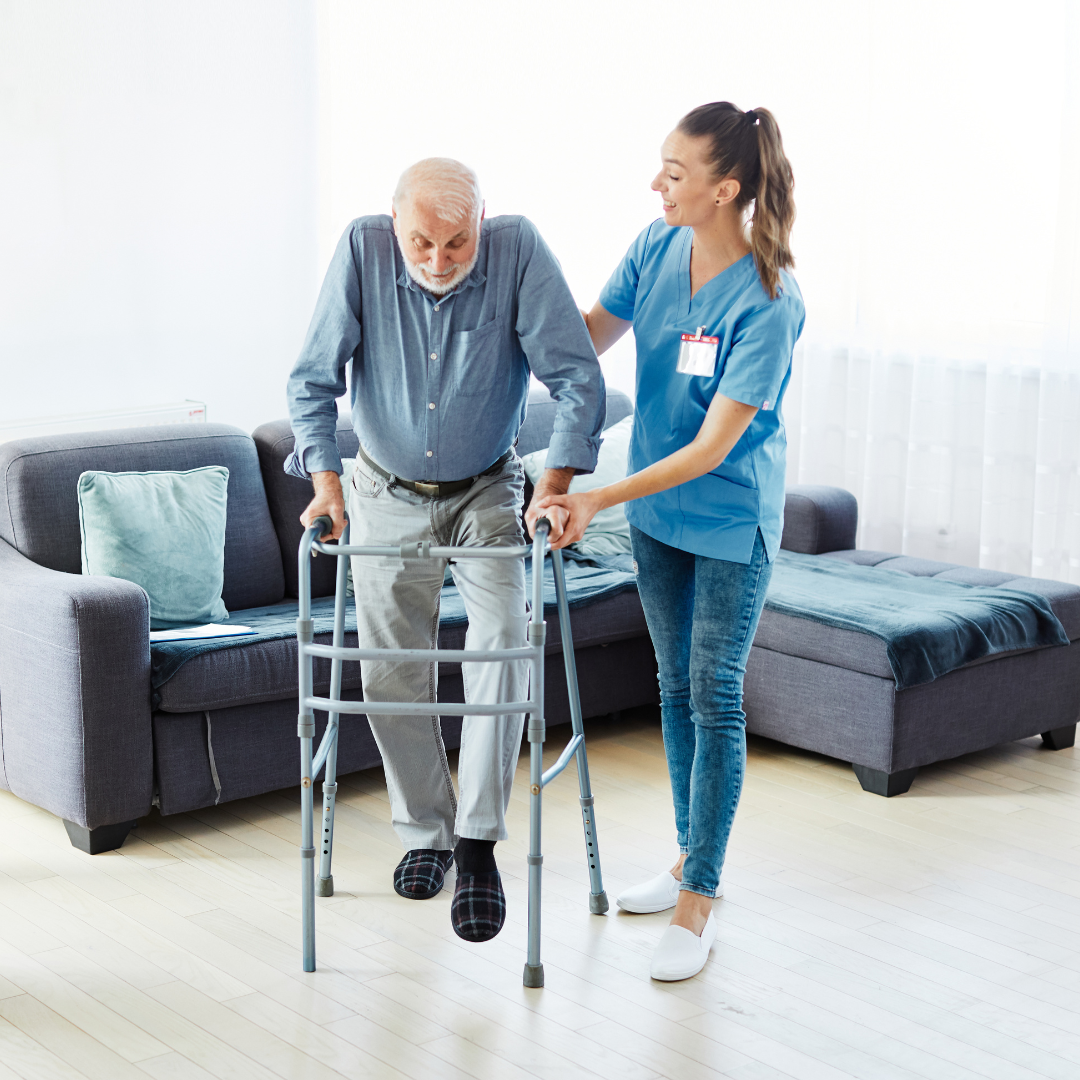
936,149
949,400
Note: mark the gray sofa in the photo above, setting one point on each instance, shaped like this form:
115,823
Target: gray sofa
79,734
832,690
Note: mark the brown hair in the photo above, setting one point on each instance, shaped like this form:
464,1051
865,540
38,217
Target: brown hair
747,147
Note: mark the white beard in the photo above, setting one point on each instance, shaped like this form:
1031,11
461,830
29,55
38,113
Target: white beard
440,286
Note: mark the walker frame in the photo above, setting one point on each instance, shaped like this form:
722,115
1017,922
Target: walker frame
311,762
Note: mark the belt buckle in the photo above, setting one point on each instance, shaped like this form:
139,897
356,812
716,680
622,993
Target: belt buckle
431,490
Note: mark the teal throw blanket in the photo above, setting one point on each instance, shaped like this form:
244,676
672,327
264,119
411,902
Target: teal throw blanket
930,627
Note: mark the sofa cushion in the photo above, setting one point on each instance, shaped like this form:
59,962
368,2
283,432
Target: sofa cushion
267,670
39,506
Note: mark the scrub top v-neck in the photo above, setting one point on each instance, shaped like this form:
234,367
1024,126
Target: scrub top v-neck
719,514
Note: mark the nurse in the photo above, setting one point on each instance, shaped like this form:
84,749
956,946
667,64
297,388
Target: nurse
715,317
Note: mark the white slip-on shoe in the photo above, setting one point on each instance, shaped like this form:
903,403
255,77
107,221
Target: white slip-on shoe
681,954
657,895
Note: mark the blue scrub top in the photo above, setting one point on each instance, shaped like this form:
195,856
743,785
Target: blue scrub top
717,515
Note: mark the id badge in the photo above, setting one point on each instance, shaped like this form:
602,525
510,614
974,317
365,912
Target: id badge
697,354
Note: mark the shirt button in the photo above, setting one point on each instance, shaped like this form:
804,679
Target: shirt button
429,453
431,404
436,307
434,356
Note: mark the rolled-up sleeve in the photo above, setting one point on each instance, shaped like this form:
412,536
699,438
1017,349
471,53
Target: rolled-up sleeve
560,353
318,376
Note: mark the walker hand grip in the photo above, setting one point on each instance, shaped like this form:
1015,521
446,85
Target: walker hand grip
543,523
325,524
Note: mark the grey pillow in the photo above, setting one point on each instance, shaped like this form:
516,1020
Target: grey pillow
164,531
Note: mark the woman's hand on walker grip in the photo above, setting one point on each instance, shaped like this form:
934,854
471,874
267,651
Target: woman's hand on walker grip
577,510
328,501
557,519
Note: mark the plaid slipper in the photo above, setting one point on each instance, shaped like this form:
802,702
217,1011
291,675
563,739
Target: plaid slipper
420,875
479,908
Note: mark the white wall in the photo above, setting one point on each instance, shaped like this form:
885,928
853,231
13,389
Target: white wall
924,137
157,203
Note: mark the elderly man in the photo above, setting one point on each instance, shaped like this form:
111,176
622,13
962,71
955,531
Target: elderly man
441,316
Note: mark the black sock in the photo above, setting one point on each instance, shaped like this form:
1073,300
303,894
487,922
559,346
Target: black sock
475,856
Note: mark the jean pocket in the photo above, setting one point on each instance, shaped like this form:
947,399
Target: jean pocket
366,483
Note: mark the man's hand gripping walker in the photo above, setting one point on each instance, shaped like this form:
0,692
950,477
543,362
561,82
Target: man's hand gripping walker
310,763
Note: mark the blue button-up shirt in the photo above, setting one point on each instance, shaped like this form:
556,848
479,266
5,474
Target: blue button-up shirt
439,384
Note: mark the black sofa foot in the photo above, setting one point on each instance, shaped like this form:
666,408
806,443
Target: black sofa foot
103,838
1060,738
882,783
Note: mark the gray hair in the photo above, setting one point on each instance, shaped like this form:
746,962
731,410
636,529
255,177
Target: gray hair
443,185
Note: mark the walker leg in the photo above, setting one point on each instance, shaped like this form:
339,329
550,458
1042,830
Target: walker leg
307,855
598,901
533,975
324,885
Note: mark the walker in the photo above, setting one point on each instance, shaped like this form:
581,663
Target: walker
334,706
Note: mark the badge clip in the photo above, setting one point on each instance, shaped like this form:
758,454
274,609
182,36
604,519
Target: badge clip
697,354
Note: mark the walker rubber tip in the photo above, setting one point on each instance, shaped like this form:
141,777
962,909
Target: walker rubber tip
533,977
324,886
598,903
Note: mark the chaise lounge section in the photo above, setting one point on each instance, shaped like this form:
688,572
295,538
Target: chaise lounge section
832,690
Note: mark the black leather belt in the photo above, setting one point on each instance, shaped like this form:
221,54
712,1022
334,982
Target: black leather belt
435,490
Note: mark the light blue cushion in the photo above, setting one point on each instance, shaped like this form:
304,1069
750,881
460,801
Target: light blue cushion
164,531
608,533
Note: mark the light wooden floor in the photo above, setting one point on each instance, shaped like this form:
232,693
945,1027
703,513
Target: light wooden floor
932,935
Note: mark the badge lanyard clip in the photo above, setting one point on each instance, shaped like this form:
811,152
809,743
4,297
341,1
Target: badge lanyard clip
697,354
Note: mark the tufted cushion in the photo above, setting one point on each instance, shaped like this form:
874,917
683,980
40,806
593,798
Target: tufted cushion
1064,598
39,507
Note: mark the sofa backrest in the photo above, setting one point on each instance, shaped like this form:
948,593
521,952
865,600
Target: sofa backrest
39,507
539,424
288,495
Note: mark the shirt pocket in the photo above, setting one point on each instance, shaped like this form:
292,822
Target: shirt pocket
476,361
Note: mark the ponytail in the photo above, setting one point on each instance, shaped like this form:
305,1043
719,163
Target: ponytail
747,147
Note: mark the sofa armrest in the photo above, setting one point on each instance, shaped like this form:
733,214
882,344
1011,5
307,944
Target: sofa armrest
75,735
819,519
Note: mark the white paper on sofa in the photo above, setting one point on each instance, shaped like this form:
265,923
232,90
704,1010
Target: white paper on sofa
210,630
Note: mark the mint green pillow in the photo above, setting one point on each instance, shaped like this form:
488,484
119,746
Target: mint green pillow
164,531
609,532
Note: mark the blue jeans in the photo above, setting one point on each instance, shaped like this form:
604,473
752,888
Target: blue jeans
702,615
